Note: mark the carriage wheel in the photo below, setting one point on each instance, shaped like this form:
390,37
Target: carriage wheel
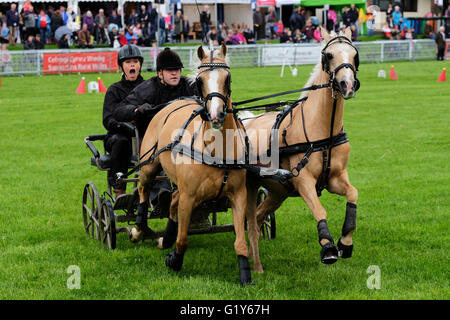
107,225
91,208
268,228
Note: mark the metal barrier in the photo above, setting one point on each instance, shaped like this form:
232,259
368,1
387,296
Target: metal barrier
32,61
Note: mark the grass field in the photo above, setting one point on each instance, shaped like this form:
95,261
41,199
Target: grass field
399,132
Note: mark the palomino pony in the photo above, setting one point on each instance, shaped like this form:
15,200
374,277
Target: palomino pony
190,121
313,146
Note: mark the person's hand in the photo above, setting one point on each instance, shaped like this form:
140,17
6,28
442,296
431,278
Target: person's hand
144,110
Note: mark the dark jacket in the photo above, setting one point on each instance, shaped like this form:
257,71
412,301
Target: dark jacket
115,94
12,18
153,92
440,40
205,17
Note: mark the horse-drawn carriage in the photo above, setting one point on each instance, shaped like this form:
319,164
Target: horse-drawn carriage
105,214
305,133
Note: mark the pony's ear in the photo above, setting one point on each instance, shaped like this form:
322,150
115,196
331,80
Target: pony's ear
325,35
348,33
223,50
201,53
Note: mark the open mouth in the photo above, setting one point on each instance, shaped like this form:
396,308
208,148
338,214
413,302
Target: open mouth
132,72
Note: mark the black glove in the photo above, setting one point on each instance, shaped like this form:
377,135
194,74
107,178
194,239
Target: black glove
144,110
125,128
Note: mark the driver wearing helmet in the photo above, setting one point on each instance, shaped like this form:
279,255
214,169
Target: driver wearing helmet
146,99
143,103
118,138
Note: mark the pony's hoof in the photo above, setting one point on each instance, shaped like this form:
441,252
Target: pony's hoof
344,251
329,253
136,235
244,270
174,261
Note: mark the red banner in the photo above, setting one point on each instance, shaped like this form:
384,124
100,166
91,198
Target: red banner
80,62
263,3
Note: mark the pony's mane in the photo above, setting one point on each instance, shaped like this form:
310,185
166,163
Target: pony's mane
196,62
318,67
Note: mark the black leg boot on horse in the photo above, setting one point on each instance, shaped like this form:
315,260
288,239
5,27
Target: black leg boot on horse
142,230
329,252
349,226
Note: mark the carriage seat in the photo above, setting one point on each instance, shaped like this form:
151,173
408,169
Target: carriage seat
103,162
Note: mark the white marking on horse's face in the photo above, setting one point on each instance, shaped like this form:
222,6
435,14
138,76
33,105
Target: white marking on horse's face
215,102
345,74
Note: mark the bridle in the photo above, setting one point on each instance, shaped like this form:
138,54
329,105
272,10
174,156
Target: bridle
210,67
326,64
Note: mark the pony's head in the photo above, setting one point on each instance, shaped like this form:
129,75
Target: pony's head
340,60
214,84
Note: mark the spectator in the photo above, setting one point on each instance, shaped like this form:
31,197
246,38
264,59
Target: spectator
178,26
298,37
212,37
186,28
286,36
43,23
447,29
436,8
331,20
64,15
144,21
57,21
122,38
162,30
308,30
396,16
346,17
30,19
257,23
249,35
271,19
133,18
279,27
28,44
223,35
440,42
428,30
353,12
114,38
37,42
354,33
447,11
240,36
153,20
100,24
4,34
63,42
115,18
205,20
88,20
370,21
296,20
231,38
132,38
12,22
389,12
317,35
387,31
84,37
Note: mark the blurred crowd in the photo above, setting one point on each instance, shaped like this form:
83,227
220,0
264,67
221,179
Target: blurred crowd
146,26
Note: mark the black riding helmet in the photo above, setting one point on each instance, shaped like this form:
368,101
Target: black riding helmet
168,60
129,51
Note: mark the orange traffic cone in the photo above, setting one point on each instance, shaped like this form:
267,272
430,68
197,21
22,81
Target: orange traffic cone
442,76
393,75
81,87
101,86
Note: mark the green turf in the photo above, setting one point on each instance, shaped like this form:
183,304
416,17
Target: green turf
399,163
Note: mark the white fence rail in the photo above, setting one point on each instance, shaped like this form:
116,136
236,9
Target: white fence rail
32,61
